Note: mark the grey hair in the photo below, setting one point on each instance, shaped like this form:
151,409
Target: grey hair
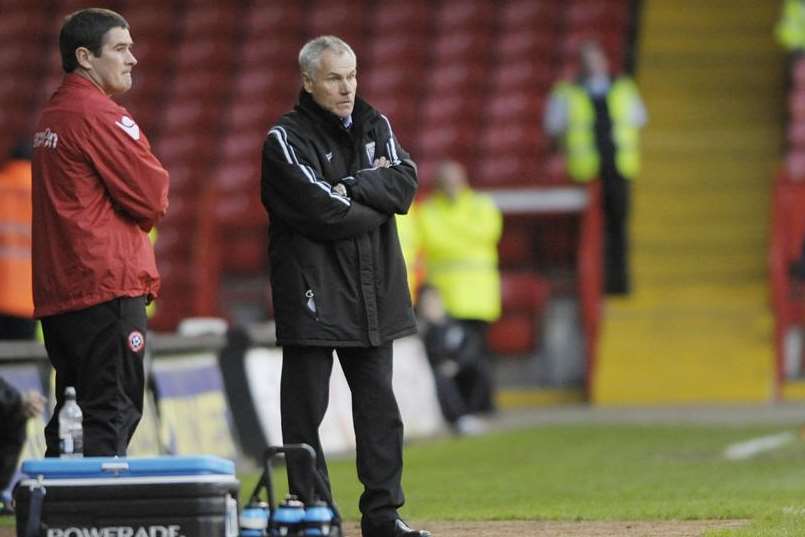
310,55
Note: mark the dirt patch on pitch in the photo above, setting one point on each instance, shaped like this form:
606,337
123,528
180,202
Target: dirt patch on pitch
673,528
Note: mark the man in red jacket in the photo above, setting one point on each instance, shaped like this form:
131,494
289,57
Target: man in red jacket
97,191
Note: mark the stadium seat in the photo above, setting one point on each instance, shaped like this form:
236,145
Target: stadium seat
460,46
524,296
533,16
402,16
524,74
468,14
526,44
515,248
514,334
456,78
271,18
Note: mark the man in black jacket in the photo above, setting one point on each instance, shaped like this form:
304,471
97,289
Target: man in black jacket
334,176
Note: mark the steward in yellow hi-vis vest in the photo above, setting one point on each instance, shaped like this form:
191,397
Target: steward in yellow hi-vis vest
790,29
596,121
459,232
583,157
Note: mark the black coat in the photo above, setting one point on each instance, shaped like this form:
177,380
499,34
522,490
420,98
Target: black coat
337,271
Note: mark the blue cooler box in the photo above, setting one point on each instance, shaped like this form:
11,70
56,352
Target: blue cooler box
130,497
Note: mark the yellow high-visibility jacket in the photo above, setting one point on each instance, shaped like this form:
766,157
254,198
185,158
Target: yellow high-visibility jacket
459,243
583,160
409,241
790,29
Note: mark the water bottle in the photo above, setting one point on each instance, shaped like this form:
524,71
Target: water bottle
254,520
318,519
71,432
287,519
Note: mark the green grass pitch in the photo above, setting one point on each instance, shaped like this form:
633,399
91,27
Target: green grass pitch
594,472
599,472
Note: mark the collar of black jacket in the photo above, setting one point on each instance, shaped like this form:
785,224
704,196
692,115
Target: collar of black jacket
361,114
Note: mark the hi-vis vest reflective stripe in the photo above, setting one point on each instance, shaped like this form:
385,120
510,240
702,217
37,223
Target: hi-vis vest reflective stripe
790,29
583,160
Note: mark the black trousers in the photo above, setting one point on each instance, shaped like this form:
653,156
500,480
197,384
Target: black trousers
474,379
616,194
376,419
99,350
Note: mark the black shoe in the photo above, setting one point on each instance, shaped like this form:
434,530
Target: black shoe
396,528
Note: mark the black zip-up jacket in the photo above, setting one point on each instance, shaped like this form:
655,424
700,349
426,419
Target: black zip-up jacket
337,272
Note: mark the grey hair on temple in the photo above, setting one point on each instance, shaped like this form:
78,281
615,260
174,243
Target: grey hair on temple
310,55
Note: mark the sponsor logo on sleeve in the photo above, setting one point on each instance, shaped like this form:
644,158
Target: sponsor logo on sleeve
46,138
129,127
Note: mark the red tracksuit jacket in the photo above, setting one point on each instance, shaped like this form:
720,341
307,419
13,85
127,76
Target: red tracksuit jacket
97,190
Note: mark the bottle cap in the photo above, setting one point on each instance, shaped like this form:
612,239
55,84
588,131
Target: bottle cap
69,391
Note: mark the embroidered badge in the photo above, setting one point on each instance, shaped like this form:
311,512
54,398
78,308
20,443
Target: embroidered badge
129,127
370,152
136,341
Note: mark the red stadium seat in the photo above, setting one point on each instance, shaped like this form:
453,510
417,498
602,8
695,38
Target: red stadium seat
466,14
202,19
524,291
456,78
513,334
526,44
449,108
520,105
535,16
460,45
524,296
524,74
523,136
515,248
271,18
402,16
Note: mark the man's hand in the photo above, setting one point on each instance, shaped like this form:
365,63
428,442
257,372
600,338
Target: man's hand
339,188
32,404
381,162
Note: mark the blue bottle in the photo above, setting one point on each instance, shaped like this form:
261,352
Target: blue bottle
253,520
318,519
287,520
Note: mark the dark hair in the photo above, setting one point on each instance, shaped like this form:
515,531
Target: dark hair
86,28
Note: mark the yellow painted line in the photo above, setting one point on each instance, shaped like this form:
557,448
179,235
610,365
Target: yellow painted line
793,391
523,398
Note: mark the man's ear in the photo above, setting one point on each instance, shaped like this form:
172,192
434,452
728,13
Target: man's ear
82,55
307,83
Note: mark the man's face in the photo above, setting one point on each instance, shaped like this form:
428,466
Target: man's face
594,62
111,71
451,179
333,84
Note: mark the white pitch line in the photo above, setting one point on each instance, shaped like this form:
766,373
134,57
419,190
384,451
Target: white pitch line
750,448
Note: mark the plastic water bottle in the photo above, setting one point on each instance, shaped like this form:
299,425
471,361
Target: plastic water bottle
287,519
254,520
318,519
71,431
